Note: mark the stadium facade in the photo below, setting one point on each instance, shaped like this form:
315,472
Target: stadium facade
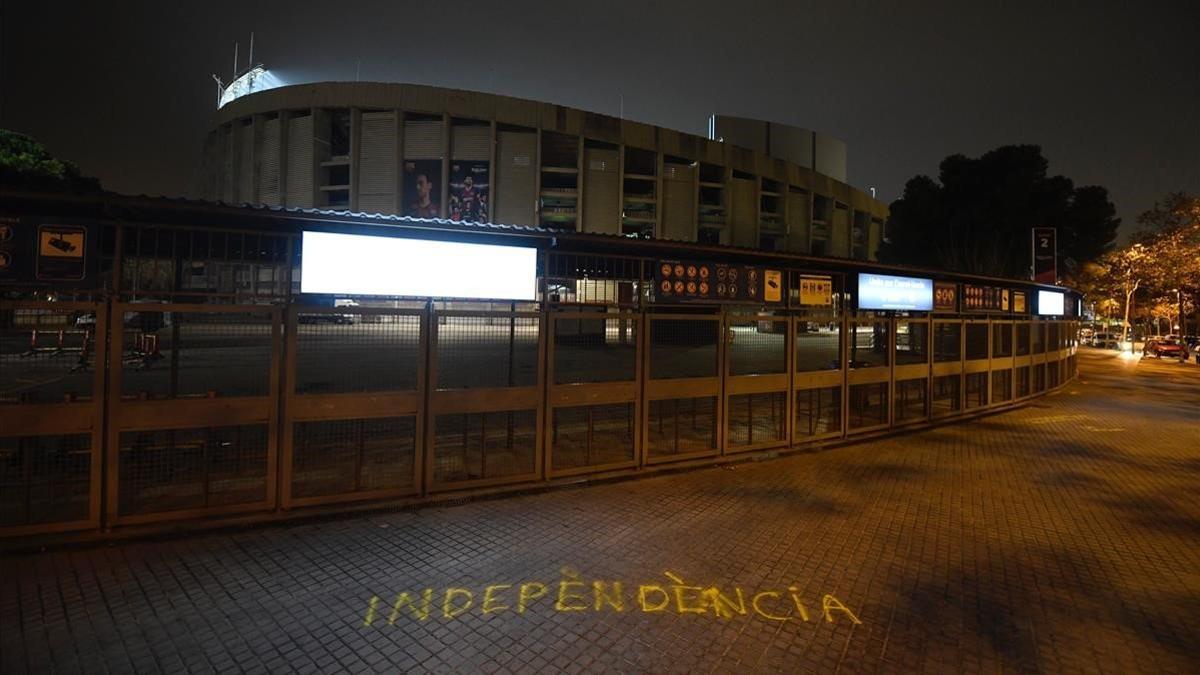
421,151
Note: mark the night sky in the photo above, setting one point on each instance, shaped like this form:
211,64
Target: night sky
1110,90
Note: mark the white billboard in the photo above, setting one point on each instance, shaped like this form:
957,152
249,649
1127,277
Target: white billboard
1050,303
353,264
882,291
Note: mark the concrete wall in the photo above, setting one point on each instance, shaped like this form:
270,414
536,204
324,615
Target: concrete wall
797,159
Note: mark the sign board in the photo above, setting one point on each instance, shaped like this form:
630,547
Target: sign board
8,248
1050,303
692,281
1018,302
352,264
882,292
772,285
55,253
60,252
985,298
816,291
1045,255
945,296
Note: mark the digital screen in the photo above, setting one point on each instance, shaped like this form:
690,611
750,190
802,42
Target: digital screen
881,291
353,264
1050,303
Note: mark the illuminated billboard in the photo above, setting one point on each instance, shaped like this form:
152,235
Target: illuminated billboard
1050,303
352,264
882,291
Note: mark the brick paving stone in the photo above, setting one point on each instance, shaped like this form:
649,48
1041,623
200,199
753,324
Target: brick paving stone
1062,536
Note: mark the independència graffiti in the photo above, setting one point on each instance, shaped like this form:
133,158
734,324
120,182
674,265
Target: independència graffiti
573,593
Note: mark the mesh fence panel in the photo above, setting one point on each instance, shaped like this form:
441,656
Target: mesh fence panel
46,356
947,394
977,341
1002,386
1037,337
682,425
175,469
818,346
757,418
470,446
345,456
910,399
487,351
1023,381
354,353
169,355
818,411
757,347
683,348
1002,338
947,342
44,479
869,344
1021,348
1053,336
868,405
594,350
912,342
593,435
977,389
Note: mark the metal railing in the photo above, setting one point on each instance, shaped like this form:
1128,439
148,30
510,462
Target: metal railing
116,414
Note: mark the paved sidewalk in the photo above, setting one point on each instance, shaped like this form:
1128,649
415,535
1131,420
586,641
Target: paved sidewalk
1060,537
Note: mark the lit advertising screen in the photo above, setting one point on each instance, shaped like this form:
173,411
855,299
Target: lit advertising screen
352,264
881,291
1050,303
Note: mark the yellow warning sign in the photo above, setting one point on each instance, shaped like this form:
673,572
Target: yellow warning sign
816,291
62,243
773,292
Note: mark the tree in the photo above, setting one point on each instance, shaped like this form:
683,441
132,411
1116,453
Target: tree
1171,234
1127,268
26,164
978,215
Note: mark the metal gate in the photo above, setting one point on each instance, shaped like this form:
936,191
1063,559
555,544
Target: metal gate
593,380
682,414
868,374
354,412
51,389
486,400
192,407
758,356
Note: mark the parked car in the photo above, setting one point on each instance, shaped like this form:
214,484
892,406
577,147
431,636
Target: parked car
1160,347
1105,340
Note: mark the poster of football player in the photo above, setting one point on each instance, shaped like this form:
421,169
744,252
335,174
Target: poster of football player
422,188
469,191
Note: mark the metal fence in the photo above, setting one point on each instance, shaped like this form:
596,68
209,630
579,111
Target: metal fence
211,410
